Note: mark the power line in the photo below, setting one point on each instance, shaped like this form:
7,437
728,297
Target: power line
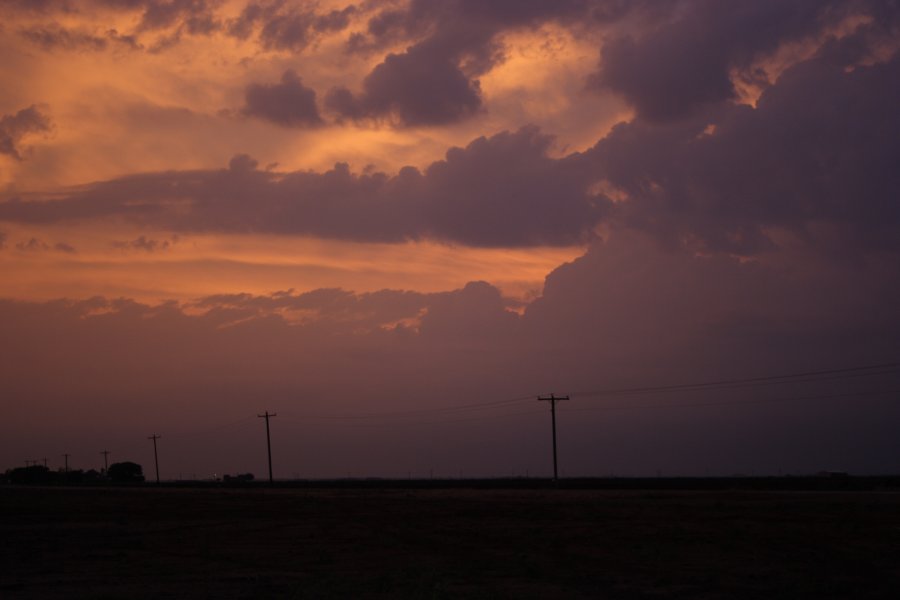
736,402
801,377
804,377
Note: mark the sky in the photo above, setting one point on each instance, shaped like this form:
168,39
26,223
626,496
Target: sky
397,223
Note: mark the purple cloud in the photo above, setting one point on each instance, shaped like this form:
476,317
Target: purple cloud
281,26
815,157
288,103
503,190
683,63
415,87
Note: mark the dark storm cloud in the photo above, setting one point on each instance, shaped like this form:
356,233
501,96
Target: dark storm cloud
288,103
498,191
434,81
817,156
684,63
15,127
416,87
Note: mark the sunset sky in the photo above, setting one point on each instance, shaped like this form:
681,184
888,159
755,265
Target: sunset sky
395,223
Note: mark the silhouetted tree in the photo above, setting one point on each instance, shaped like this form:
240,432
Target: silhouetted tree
125,472
31,474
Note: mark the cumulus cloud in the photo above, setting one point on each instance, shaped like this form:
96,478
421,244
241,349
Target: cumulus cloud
435,80
684,63
502,190
814,157
13,128
288,103
415,87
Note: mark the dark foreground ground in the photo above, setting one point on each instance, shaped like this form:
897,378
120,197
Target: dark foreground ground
456,543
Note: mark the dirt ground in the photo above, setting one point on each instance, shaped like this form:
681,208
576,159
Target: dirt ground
319,543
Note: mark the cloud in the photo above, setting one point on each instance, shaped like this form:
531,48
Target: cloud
53,38
13,128
434,81
815,157
64,247
3,238
499,191
282,26
416,88
289,103
685,62
193,16
145,244
629,313
36,245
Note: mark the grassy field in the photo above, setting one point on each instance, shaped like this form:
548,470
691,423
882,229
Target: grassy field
458,543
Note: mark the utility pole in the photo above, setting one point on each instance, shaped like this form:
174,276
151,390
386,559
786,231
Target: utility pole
552,399
66,456
45,462
105,454
266,416
155,437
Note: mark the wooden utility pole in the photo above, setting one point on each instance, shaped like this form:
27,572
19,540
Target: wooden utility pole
66,457
105,454
552,399
155,437
266,416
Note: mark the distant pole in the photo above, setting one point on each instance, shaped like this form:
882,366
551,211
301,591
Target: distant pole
45,462
155,437
552,399
105,454
267,416
66,457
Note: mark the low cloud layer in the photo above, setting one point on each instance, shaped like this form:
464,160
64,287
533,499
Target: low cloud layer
627,314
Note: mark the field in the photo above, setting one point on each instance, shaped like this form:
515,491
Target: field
446,543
